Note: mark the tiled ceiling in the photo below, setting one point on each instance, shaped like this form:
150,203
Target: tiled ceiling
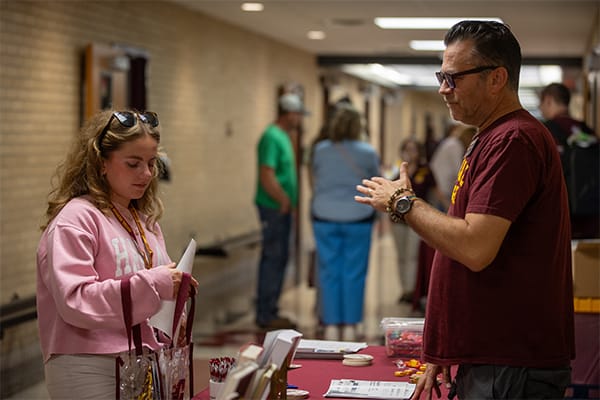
545,28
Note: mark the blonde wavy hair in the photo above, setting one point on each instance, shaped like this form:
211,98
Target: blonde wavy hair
81,171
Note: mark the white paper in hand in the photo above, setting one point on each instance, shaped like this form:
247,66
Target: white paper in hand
163,319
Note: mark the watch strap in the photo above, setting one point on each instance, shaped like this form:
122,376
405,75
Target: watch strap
397,194
396,217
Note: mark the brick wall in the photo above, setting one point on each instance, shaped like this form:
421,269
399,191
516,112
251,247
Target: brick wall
213,85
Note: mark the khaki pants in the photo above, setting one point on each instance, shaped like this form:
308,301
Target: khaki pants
81,376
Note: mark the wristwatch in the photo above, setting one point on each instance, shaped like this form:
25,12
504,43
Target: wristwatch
397,206
403,205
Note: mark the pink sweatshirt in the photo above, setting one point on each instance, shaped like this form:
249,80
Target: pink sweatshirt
81,258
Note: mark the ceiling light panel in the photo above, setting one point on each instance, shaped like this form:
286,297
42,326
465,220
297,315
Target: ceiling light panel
253,7
315,35
425,23
427,45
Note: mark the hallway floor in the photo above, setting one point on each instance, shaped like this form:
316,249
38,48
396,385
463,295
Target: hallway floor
297,303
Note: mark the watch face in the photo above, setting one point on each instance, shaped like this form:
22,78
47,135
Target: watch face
403,205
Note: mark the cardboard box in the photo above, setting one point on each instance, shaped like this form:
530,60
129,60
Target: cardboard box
586,268
586,305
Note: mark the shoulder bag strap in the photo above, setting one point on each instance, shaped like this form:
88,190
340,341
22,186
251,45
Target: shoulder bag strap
182,296
186,291
188,336
126,303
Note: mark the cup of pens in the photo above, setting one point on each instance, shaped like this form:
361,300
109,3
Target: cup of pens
218,369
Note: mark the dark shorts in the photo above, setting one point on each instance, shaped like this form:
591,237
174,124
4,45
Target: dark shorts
502,382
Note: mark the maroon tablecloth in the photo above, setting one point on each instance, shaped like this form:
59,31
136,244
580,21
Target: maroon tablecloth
316,375
586,366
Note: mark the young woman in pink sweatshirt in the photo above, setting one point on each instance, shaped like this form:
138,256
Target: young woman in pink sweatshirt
101,227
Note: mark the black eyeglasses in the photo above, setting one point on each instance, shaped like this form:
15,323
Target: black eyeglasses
449,78
129,119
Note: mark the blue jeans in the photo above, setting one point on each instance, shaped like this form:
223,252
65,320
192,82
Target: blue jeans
343,253
273,261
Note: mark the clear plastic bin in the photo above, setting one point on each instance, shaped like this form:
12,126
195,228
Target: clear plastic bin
403,336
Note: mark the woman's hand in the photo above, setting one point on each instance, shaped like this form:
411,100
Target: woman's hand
176,276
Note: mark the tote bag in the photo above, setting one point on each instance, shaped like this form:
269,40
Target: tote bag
142,374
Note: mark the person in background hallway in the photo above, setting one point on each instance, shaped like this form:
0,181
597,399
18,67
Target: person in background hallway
579,153
406,240
447,157
276,199
101,227
323,134
500,301
444,165
342,228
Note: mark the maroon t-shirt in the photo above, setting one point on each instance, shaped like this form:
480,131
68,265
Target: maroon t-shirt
518,311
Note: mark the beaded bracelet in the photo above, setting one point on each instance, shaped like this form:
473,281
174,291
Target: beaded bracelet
395,218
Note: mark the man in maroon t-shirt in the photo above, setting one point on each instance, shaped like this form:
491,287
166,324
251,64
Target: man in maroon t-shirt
500,302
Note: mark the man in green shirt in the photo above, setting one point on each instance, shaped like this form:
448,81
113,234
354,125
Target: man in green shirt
276,198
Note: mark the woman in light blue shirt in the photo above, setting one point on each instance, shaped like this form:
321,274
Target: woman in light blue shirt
342,227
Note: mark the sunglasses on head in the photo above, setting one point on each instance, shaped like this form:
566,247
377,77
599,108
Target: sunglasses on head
128,119
449,78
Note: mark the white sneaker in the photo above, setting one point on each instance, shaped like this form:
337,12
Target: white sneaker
332,332
349,333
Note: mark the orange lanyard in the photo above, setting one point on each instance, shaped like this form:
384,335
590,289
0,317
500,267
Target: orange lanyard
146,255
